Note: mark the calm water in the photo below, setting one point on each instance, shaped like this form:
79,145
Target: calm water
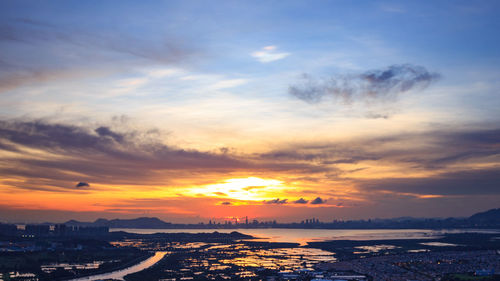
119,274
302,236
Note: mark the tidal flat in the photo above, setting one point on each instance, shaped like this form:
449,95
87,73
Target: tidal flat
236,256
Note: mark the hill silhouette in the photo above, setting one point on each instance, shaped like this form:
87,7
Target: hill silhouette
142,222
487,219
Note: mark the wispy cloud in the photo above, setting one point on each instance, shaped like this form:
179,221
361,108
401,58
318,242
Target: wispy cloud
374,115
381,84
269,54
392,8
228,83
36,52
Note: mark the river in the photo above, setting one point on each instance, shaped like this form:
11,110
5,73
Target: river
119,274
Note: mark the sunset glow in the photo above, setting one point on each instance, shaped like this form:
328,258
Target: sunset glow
193,111
244,189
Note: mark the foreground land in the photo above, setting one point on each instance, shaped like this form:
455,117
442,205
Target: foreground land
235,256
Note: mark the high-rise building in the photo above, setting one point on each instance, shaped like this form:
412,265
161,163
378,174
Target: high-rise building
8,229
37,229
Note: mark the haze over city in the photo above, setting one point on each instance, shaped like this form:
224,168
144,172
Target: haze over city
192,111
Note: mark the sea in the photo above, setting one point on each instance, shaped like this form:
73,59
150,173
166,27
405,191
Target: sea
302,236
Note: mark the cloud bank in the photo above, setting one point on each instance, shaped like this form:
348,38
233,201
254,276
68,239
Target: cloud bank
443,164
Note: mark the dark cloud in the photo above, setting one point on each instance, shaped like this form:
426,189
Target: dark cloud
101,154
334,153
301,201
38,134
428,150
104,142
82,184
276,201
451,147
457,183
374,84
106,132
105,155
317,201
225,203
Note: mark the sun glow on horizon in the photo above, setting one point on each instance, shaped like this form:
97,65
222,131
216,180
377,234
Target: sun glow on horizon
243,189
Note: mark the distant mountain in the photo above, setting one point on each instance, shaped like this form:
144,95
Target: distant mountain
143,222
487,219
492,215
78,223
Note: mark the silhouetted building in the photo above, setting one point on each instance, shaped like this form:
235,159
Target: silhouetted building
8,229
37,229
60,230
90,231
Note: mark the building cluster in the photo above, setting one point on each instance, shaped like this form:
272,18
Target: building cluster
423,266
8,229
45,230
64,230
236,222
315,275
310,221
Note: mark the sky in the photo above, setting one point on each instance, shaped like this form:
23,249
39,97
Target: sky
273,110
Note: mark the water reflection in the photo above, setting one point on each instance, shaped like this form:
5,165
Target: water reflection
439,244
119,274
302,236
375,248
48,268
221,257
281,258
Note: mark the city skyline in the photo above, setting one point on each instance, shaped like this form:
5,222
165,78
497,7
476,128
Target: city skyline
189,110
